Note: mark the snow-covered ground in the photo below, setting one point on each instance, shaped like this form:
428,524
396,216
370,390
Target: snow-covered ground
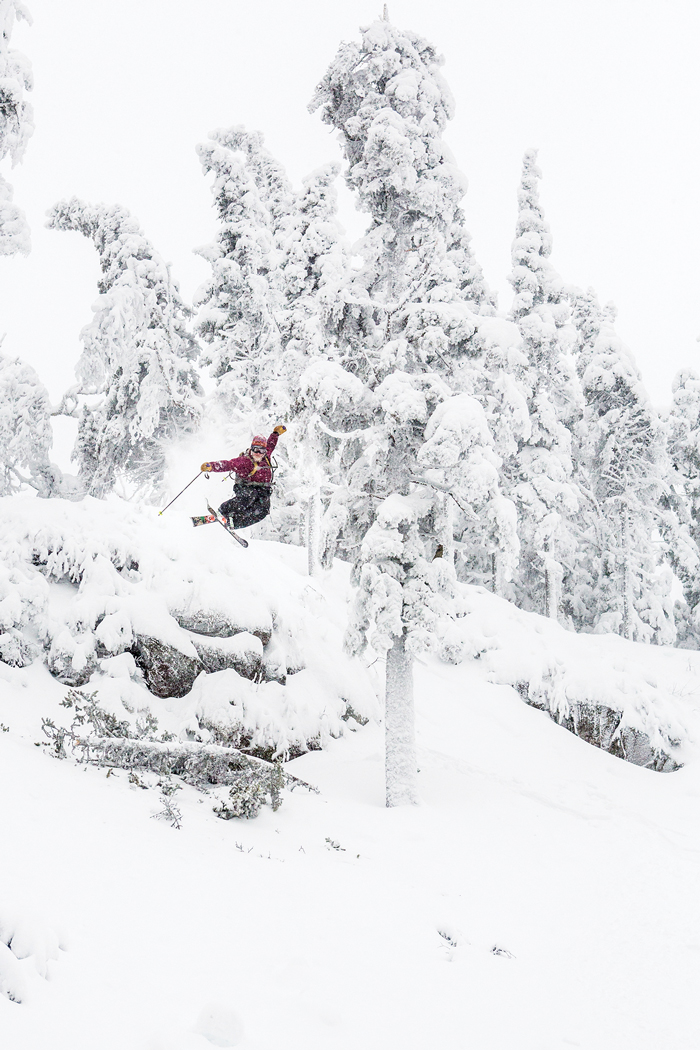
543,895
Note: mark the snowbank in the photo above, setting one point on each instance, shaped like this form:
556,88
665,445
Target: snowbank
630,699
145,610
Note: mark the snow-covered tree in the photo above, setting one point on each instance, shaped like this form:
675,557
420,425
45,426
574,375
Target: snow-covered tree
16,124
458,458
270,178
684,441
313,267
236,307
623,454
136,376
387,99
464,270
681,506
25,430
541,473
390,104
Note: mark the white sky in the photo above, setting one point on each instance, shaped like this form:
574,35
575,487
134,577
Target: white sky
607,90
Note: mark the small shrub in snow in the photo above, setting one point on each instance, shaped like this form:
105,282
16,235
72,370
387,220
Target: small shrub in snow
251,791
88,718
245,800
171,810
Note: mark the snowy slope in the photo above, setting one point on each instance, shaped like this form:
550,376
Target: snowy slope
337,923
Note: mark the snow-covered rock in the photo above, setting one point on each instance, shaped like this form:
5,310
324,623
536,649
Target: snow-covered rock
98,583
614,694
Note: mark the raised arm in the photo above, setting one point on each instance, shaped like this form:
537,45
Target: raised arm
274,438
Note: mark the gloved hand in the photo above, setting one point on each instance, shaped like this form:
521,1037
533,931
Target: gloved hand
206,467
279,429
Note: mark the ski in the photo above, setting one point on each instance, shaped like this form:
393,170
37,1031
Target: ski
222,523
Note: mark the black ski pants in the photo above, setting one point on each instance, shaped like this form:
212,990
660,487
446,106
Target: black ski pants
250,503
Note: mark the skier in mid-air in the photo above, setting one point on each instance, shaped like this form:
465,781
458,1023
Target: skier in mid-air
253,484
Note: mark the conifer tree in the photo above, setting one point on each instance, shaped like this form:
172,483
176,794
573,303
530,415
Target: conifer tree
236,305
390,105
623,451
682,503
137,363
270,178
313,267
541,472
16,124
464,269
25,431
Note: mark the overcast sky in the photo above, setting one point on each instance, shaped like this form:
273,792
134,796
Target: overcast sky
607,91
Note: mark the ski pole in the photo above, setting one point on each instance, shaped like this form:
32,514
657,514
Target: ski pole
180,493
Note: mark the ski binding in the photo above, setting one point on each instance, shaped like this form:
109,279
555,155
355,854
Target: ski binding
222,523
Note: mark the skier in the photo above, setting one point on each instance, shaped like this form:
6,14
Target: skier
253,484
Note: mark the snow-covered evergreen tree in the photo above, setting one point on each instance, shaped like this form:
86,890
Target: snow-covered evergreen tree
390,105
136,368
313,267
464,270
623,455
25,430
681,507
459,459
16,124
270,178
236,305
541,473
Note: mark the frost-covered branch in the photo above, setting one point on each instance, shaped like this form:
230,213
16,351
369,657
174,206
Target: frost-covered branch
445,488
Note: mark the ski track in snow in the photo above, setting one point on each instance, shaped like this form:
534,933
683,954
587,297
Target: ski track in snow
543,896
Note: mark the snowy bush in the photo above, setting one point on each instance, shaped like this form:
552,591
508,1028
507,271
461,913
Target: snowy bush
23,600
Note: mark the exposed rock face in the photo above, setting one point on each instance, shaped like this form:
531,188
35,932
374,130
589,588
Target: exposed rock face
601,726
243,652
216,624
168,672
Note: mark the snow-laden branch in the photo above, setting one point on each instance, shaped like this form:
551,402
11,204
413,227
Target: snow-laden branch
445,488
348,435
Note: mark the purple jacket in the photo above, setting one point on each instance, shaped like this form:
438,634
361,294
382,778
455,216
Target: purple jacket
244,466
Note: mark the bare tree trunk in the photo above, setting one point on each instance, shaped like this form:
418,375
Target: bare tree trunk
551,586
448,539
551,593
627,596
312,533
498,580
399,727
